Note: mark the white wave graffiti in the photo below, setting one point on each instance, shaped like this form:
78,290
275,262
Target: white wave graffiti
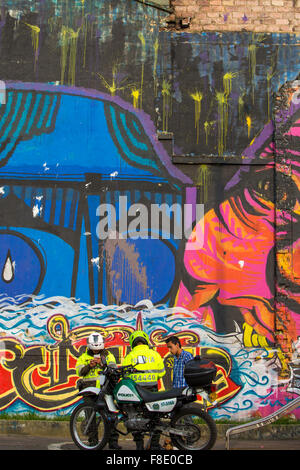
28,323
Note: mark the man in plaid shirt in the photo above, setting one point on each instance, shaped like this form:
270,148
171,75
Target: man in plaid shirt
181,357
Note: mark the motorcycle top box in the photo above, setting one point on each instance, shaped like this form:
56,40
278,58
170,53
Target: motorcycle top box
199,372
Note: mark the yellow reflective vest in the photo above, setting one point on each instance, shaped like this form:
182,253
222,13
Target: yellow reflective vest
93,373
149,364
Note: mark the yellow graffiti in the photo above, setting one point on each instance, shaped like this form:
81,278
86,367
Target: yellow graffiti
69,39
253,339
206,130
155,82
227,82
58,327
197,97
285,264
35,34
51,24
249,124
113,87
143,42
135,94
208,125
204,180
166,93
223,120
222,100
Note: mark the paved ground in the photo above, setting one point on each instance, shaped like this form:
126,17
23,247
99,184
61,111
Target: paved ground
21,442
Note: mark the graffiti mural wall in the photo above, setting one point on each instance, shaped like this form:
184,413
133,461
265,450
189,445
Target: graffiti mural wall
105,117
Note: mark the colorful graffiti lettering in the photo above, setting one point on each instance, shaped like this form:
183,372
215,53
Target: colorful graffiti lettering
44,377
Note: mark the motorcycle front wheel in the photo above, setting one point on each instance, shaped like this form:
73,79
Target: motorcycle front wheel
88,427
199,431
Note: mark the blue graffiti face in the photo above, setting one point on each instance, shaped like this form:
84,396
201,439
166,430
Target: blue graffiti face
64,151
21,266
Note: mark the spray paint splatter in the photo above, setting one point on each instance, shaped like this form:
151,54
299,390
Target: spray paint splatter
166,93
197,97
155,81
115,85
208,126
227,82
135,93
35,34
143,42
223,120
69,39
112,88
249,124
204,181
222,100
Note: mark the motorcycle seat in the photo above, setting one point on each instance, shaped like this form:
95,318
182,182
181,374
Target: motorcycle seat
149,396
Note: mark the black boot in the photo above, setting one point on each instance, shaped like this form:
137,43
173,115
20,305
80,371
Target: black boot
114,446
139,445
113,442
139,440
114,437
154,442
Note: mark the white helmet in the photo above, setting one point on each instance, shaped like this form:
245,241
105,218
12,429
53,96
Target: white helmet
95,341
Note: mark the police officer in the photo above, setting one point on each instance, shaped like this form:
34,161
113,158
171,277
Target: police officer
88,367
151,368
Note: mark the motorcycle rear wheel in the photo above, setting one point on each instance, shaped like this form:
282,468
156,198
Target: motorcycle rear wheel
201,429
88,427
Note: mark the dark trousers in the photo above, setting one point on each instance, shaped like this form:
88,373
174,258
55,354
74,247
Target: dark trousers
138,437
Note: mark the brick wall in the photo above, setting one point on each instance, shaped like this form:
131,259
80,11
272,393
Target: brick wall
237,15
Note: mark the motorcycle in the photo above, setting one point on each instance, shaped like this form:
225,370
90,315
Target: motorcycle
122,403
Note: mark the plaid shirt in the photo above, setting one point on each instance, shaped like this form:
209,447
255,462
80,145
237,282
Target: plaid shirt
178,370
